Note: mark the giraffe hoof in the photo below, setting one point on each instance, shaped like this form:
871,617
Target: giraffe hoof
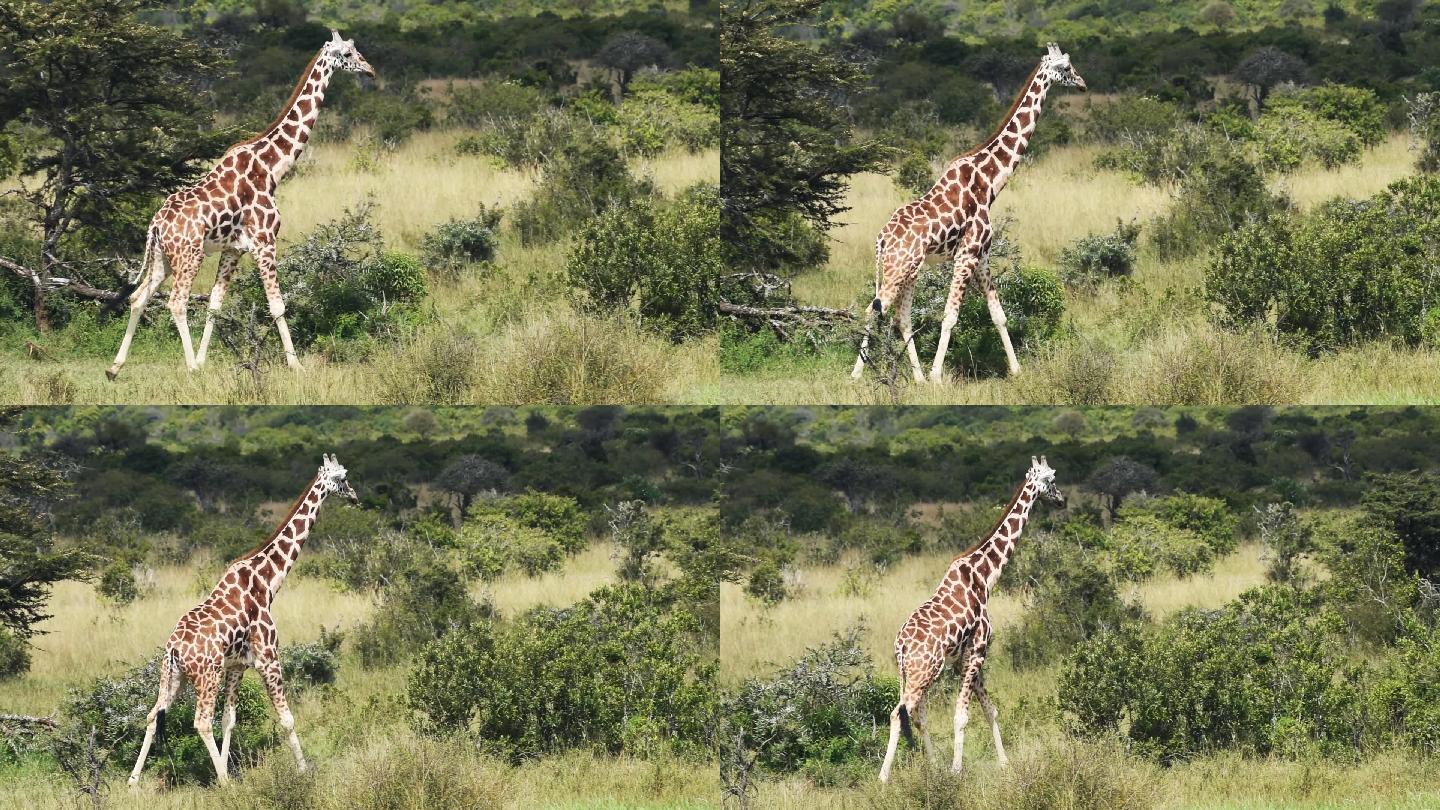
110,374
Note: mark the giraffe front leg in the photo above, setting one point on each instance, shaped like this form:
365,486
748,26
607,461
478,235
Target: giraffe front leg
185,272
965,263
232,693
274,684
229,260
149,285
997,316
993,715
962,700
206,691
264,253
907,331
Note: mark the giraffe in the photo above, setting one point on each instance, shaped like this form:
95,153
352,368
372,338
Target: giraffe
952,626
232,629
232,209
952,220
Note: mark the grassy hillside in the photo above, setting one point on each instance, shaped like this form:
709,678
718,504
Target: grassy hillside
1155,332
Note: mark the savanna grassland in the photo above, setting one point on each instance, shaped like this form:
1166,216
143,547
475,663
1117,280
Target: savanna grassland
1154,327
465,229
1269,545
464,574
1193,231
515,316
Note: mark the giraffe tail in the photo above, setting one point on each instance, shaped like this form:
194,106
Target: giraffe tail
905,726
170,669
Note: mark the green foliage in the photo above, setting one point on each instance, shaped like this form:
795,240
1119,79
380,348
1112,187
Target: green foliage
1404,700
528,141
818,716
557,679
14,655
1349,272
477,105
393,116
30,487
117,708
584,180
1408,504
1100,257
1290,135
1368,583
533,532
458,243
788,147
1034,302
1257,675
1424,118
1209,518
1142,544
420,605
914,173
1072,598
117,583
1287,539
664,263
1131,118
312,664
345,294
1357,109
651,119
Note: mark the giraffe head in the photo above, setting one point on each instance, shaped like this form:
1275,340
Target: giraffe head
1056,65
1043,476
342,54
332,475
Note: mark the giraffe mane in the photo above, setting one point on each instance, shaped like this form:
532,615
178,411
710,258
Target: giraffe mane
1005,120
294,507
1014,499
285,108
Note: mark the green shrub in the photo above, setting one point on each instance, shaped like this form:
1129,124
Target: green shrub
1424,117
825,715
1349,272
585,179
1034,302
534,532
393,116
1142,544
14,655
1404,699
117,708
665,263
312,664
1357,109
1100,257
651,120
473,106
528,141
117,583
575,359
1258,675
419,605
1130,118
344,293
458,243
1291,135
556,679
914,173
1077,775
1209,518
1071,599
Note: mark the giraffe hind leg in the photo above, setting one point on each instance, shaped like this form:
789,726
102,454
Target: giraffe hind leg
229,259
207,689
993,715
155,722
274,684
150,281
232,693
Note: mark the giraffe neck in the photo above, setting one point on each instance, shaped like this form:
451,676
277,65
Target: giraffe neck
989,557
284,140
1008,145
273,560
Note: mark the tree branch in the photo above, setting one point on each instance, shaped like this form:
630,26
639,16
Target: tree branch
30,719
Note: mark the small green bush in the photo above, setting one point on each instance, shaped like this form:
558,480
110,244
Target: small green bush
1349,272
1290,136
664,264
585,179
117,583
651,120
528,141
1100,257
1130,117
1034,303
914,173
1142,544
312,664
1357,109
1209,518
117,708
1072,598
420,605
1258,675
458,243
1424,117
14,655
473,106
576,359
557,679
1404,699
534,532
825,715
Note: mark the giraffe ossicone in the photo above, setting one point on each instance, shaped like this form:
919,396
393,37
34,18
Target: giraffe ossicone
952,220
952,627
232,209
232,629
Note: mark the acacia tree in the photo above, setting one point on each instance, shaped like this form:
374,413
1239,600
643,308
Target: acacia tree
29,562
629,52
1265,68
1120,478
787,145
108,112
